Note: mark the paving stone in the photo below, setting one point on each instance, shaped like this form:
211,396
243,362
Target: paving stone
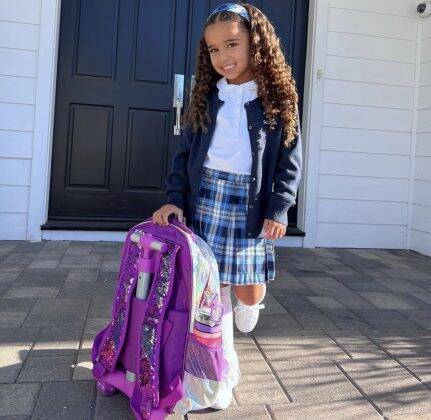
110,263
13,312
421,317
297,345
57,341
56,312
11,361
336,410
388,300
100,307
56,246
29,246
83,368
87,289
385,319
324,253
67,400
356,344
94,325
389,386
304,312
47,369
106,247
272,306
255,412
420,366
17,260
80,261
46,260
17,399
276,321
31,292
42,277
313,381
366,286
250,359
82,274
107,277
423,296
113,407
405,343
79,248
345,318
8,246
357,262
326,287
354,302
259,388
289,287
325,302
18,336
10,275
3,288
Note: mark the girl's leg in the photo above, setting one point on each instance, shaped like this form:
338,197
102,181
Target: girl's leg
250,294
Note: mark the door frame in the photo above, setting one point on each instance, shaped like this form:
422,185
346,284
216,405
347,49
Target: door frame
44,123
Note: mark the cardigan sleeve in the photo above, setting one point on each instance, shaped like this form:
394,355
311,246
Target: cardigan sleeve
286,181
177,183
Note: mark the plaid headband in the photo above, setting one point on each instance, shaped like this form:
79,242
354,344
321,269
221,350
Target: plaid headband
231,7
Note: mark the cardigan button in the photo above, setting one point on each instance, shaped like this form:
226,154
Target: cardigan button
253,179
250,127
249,234
250,206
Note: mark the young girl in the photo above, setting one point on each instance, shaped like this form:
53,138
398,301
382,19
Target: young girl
238,165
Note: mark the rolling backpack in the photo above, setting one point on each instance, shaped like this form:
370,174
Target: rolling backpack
163,345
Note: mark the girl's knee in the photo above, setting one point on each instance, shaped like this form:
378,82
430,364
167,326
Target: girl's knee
250,294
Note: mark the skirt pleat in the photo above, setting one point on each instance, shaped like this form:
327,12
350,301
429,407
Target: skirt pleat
220,220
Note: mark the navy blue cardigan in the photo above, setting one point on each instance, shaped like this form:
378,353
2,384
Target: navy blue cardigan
275,172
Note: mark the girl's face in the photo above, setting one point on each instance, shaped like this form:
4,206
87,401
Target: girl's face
229,47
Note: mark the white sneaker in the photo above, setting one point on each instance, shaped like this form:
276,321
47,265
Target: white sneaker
246,317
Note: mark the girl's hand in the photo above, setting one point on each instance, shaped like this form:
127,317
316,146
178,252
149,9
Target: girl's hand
160,216
273,230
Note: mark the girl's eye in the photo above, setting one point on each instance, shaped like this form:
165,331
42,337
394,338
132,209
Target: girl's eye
212,49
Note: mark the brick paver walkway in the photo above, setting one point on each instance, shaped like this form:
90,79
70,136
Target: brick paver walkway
346,333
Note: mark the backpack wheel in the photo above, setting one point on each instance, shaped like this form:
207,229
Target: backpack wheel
105,389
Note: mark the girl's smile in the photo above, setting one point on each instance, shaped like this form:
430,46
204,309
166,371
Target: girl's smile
229,48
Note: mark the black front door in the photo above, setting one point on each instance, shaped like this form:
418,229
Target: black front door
114,119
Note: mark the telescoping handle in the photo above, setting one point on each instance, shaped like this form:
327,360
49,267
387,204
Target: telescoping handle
146,268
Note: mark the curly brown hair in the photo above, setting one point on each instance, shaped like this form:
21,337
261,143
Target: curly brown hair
275,83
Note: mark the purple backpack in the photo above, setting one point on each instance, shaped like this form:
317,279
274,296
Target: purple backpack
163,345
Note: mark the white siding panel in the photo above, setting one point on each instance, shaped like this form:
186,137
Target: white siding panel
421,242
17,89
393,7
422,193
363,188
373,48
16,144
18,62
354,93
360,164
423,168
25,11
19,35
426,30
13,199
426,50
15,171
361,236
423,144
424,100
368,212
422,218
359,70
13,226
370,141
425,74
16,117
424,120
375,24
367,117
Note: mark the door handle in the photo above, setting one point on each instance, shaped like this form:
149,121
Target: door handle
178,100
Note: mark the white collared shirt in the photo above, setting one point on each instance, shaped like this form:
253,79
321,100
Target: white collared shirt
230,148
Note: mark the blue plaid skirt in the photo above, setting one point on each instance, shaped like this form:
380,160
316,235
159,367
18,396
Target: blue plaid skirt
220,220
